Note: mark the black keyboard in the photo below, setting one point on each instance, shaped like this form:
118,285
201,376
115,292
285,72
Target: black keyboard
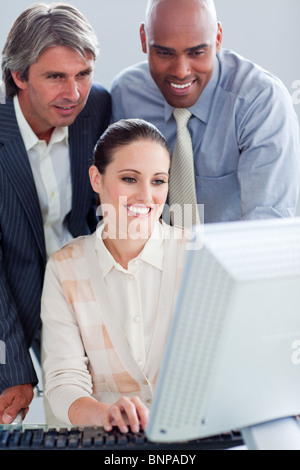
28,437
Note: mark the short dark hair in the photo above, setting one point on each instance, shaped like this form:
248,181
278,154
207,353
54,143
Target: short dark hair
124,132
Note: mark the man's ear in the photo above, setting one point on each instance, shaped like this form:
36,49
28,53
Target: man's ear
219,37
143,38
17,78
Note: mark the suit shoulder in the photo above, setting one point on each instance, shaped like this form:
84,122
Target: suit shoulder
98,106
99,89
8,123
99,93
7,107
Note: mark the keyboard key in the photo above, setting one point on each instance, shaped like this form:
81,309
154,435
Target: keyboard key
4,437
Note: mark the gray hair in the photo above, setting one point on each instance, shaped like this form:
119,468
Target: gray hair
39,27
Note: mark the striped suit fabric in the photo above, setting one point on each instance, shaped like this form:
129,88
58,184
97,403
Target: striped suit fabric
22,245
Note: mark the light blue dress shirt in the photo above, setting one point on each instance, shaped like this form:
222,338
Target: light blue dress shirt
245,137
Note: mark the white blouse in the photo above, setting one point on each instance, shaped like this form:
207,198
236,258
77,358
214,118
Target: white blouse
134,292
104,327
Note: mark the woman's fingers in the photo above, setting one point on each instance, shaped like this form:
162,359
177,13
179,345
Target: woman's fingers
142,411
127,412
116,412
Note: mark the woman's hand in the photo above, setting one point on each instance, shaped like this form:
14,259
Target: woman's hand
125,413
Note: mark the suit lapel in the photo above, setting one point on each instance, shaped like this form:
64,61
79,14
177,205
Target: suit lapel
81,145
14,161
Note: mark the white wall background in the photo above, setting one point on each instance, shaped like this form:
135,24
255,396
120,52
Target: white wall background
265,31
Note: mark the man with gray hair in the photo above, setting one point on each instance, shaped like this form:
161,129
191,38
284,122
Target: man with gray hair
50,121
243,161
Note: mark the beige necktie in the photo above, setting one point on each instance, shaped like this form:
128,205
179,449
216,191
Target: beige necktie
182,189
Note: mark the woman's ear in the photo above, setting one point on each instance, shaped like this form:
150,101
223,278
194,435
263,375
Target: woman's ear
95,179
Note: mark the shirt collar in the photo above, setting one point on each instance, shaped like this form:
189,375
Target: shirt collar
202,107
152,253
30,139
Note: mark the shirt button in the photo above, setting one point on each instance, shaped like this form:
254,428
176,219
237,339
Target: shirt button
137,319
149,401
140,363
146,382
131,277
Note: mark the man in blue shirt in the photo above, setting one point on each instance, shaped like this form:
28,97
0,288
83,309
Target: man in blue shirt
244,129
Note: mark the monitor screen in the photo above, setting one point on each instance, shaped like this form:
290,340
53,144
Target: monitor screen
233,354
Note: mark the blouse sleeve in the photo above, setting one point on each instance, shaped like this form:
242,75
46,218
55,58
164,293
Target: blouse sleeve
64,361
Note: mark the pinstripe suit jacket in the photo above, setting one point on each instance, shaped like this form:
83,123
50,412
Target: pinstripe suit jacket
22,245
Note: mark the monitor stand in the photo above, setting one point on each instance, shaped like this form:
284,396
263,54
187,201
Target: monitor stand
282,434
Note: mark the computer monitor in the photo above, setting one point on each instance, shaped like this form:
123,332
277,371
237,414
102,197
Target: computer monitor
232,360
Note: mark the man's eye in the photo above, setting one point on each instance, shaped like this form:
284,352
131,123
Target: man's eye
86,73
164,53
197,53
54,76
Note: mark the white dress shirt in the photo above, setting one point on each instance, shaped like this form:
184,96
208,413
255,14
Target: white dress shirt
134,292
50,166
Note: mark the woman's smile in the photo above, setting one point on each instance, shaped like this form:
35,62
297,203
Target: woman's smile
138,210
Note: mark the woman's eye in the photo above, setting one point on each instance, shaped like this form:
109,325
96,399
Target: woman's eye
129,180
159,182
